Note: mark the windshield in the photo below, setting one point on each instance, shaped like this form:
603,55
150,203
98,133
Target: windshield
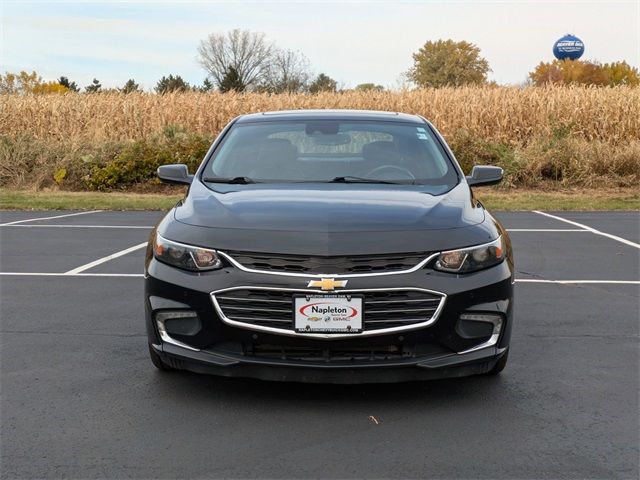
331,151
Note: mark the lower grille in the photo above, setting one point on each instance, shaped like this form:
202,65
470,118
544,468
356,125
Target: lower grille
383,309
386,352
336,353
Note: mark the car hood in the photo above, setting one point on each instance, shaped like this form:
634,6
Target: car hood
328,219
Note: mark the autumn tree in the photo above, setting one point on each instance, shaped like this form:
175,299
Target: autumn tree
623,74
171,84
22,82
566,72
49,87
323,83
448,63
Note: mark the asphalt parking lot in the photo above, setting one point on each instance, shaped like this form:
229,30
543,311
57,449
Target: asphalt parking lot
80,398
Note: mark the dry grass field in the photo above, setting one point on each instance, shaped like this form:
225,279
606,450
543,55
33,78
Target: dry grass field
558,136
506,114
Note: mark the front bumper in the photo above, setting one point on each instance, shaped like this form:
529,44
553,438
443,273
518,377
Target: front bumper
216,363
438,350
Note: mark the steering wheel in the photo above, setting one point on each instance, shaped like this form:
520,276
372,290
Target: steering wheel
372,174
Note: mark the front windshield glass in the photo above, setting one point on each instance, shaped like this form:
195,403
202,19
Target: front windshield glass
326,151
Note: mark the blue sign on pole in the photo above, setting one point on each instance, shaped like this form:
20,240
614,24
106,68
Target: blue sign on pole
568,47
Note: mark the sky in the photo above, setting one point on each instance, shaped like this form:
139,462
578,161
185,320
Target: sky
351,41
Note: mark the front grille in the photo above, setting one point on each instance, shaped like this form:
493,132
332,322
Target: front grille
382,309
328,265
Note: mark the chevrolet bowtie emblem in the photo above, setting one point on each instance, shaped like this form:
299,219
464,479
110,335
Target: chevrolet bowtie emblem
327,283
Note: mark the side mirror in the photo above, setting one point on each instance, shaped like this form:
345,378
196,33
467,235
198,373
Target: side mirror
176,174
484,175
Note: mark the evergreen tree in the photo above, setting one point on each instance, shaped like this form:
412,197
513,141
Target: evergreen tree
231,81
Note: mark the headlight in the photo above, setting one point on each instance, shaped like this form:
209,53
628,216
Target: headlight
471,259
183,256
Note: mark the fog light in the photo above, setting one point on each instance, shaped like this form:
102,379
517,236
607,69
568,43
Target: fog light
470,330
177,322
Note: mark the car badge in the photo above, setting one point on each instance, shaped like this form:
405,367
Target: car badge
327,283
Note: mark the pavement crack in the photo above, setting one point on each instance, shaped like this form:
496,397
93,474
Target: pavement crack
535,275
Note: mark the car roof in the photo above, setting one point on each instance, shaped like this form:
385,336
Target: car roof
298,115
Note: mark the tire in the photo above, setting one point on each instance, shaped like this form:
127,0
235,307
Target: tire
157,361
500,365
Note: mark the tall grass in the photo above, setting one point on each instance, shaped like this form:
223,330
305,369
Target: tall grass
571,135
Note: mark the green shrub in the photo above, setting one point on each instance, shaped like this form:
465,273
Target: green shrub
561,159
136,162
470,151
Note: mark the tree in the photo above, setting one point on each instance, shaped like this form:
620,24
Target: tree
247,52
231,82
49,87
94,87
368,87
288,72
323,83
547,73
448,63
564,72
21,83
171,84
130,87
623,74
71,86
206,86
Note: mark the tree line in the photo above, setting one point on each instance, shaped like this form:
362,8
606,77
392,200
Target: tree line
243,60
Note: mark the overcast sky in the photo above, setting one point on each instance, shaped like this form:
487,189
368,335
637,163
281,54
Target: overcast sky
352,41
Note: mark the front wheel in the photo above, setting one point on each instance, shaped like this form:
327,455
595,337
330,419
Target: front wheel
500,365
157,361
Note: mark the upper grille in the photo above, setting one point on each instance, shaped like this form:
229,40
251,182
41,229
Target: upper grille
327,265
382,309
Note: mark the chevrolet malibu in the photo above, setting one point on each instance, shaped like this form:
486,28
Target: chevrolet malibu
329,246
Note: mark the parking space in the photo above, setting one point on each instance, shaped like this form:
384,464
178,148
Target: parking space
584,256
622,224
80,398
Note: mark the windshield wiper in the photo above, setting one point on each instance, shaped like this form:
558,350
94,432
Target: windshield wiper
351,179
236,180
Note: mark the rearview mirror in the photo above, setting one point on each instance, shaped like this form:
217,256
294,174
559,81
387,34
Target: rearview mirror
176,174
484,175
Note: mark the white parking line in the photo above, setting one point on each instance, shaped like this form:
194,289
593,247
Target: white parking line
95,263
48,218
579,282
592,230
562,230
56,274
80,226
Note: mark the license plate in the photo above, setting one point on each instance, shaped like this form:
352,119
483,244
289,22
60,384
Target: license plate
327,314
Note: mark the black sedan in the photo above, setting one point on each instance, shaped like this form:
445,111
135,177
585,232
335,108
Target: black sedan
330,246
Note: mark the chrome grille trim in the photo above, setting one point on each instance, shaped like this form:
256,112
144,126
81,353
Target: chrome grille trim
415,268
328,336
